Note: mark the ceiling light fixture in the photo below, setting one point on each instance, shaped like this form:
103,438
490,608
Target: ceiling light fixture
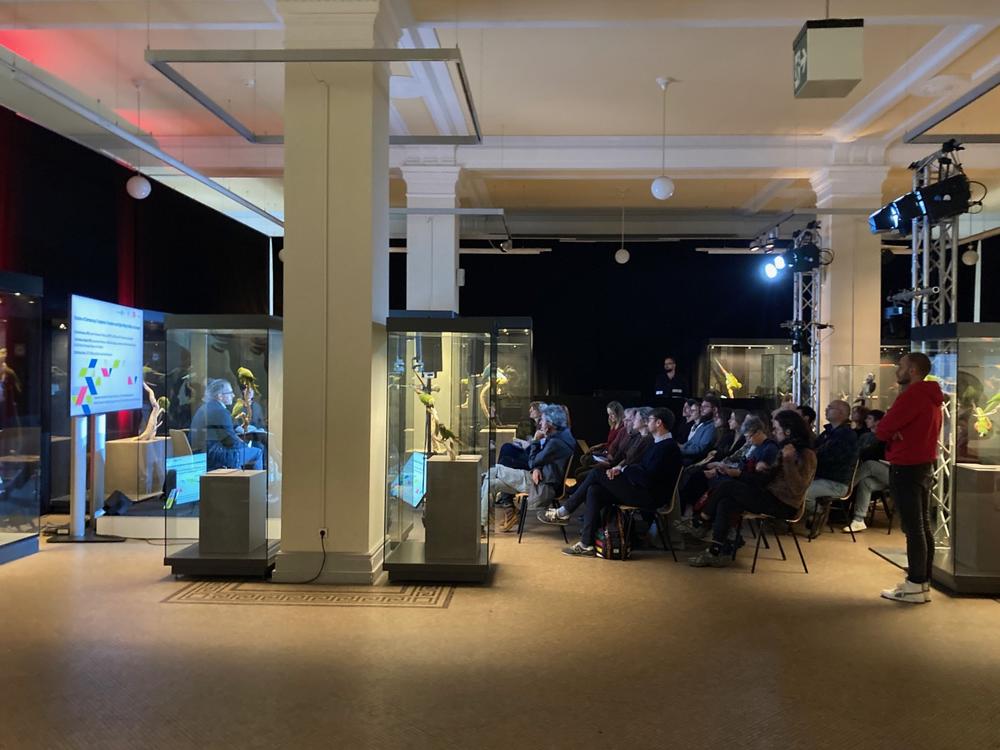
138,186
663,187
621,254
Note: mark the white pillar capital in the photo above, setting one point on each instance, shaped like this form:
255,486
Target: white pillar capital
339,23
430,182
849,186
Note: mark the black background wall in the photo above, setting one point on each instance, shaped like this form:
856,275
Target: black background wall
604,326
65,216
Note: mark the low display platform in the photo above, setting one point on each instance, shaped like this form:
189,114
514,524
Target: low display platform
408,562
191,561
19,546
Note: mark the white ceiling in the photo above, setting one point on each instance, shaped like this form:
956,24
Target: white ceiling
564,89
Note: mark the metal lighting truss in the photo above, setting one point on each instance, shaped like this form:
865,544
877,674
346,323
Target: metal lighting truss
934,264
807,292
162,60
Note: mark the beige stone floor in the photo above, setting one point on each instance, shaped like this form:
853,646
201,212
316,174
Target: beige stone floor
556,653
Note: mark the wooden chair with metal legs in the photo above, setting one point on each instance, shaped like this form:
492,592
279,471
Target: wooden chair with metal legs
764,518
662,516
887,508
522,512
822,518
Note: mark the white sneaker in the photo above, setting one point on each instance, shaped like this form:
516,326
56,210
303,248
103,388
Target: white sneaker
927,590
910,593
855,526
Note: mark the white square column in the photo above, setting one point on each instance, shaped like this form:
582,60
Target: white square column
852,285
336,293
431,239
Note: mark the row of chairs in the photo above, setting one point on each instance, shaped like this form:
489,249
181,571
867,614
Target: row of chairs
820,517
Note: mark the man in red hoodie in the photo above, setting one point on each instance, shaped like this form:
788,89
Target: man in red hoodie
911,430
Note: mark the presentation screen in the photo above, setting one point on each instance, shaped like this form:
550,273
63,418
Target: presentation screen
105,357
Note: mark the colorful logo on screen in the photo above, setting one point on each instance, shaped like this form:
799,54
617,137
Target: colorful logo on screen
93,377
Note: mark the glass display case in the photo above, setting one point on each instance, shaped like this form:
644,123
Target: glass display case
965,359
873,385
515,382
442,390
747,369
223,425
20,413
136,446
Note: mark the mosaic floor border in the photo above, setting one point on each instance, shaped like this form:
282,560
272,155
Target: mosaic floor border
272,594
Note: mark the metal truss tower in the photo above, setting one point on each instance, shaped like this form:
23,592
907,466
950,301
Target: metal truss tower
933,274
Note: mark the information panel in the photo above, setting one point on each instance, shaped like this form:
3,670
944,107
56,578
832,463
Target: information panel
105,363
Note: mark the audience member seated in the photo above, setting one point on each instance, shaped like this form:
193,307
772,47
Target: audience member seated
617,433
212,431
646,484
836,455
548,457
689,418
702,436
639,441
858,414
736,419
870,448
873,473
760,454
777,492
808,414
515,455
725,435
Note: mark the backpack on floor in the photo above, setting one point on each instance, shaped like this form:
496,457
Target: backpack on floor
613,540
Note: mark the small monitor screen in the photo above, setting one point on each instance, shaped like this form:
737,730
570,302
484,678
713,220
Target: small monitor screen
187,472
411,485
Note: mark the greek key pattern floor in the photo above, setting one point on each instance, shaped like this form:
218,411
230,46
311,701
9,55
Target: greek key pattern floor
258,592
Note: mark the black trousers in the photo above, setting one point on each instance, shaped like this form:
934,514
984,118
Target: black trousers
604,492
911,492
737,496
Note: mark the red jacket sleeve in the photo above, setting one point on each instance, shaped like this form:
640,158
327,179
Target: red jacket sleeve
900,414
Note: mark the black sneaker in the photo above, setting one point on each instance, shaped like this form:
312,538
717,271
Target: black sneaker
579,550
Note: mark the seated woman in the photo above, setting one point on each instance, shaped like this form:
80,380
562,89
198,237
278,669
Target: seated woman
760,453
515,455
617,432
212,431
779,492
632,452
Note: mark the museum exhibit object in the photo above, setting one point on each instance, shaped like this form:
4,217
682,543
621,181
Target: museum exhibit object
965,360
442,389
20,413
757,368
873,386
221,495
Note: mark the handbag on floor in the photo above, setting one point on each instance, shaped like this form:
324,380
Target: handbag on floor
613,541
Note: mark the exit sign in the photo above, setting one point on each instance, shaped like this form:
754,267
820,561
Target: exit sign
828,58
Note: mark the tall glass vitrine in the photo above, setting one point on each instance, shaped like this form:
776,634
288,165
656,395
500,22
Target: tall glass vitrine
20,413
222,472
442,381
965,359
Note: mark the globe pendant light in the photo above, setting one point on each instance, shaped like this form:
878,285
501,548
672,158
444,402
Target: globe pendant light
138,186
621,254
663,187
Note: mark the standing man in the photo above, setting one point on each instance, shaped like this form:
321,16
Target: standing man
911,430
668,383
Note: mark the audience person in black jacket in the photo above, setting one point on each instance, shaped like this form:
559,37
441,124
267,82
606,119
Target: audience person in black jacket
836,456
873,473
647,484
